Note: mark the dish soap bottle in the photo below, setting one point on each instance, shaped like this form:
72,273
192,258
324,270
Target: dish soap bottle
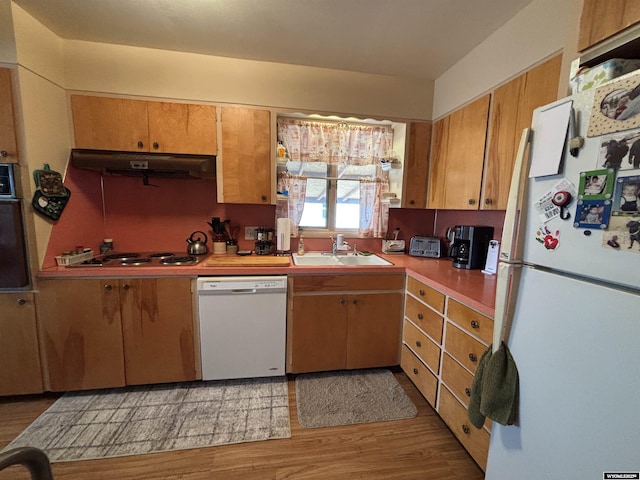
281,151
301,244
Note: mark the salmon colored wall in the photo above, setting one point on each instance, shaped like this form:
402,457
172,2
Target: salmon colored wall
162,217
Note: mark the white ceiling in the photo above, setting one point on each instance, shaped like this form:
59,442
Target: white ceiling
407,38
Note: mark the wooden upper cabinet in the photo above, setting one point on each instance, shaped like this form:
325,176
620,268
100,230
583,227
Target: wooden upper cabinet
602,19
19,352
458,157
244,170
110,123
8,144
416,166
511,111
182,128
136,125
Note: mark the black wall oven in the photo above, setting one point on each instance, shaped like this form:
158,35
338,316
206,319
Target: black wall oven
14,271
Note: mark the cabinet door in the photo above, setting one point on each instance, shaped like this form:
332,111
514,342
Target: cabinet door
318,333
456,166
416,166
8,145
110,123
245,169
373,335
601,20
19,352
81,333
511,112
182,128
157,326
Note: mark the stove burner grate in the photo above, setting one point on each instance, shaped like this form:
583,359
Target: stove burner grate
186,260
121,256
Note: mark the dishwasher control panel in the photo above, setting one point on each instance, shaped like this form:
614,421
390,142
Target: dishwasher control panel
213,284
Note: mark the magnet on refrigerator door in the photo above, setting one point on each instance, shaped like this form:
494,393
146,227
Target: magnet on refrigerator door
592,214
550,240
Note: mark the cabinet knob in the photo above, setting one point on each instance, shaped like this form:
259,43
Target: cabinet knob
156,146
421,292
126,286
420,316
472,201
415,371
466,429
4,154
418,343
140,145
342,301
474,324
467,392
21,301
108,287
473,357
263,198
412,202
355,302
488,201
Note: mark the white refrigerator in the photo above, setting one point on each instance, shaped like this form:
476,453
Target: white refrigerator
569,304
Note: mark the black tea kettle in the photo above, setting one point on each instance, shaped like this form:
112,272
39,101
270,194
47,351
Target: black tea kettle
197,246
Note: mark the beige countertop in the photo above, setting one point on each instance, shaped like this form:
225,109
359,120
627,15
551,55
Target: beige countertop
472,287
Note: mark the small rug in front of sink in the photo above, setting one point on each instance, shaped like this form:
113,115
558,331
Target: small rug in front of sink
348,397
157,418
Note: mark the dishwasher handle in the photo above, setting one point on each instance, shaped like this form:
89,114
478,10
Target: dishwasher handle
240,291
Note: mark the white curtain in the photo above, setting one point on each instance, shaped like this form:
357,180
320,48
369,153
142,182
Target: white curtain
339,143
374,213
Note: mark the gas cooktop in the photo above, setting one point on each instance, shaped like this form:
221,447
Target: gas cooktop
142,259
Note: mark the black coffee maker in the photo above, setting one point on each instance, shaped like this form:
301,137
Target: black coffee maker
470,245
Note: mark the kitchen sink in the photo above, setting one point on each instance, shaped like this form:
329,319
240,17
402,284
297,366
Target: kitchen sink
340,260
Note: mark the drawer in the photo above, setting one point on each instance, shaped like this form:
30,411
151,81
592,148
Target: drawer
475,441
420,375
457,378
474,322
461,346
426,293
423,346
426,319
342,283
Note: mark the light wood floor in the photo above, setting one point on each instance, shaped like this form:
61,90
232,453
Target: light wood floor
418,448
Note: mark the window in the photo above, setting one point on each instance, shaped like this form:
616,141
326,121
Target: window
330,170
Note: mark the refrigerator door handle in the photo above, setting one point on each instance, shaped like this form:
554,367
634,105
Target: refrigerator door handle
512,215
506,286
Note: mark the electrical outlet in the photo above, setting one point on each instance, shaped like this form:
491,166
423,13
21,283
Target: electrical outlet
250,233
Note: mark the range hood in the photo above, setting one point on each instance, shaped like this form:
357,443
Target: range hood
145,165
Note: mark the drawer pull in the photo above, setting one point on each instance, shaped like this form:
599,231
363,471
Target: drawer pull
474,324
420,316
140,145
467,392
473,358
126,286
342,301
415,371
466,429
21,301
108,287
418,344
421,293
355,302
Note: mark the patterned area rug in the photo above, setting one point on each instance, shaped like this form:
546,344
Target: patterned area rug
350,397
138,420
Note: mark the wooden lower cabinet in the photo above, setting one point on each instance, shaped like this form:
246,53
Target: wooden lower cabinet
19,351
440,355
101,333
347,330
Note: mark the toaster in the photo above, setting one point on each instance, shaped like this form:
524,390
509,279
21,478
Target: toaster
425,247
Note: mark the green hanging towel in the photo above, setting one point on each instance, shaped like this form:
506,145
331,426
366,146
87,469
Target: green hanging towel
494,393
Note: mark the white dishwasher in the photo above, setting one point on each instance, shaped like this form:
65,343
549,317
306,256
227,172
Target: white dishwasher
242,326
